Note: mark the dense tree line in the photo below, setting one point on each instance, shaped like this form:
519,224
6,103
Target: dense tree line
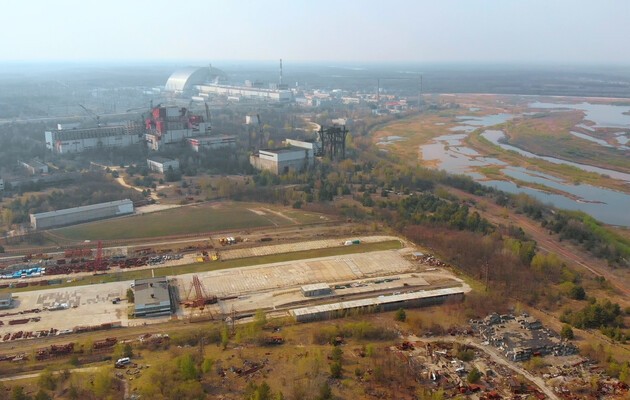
595,315
94,187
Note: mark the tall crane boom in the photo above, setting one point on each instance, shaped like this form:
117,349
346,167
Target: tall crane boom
92,114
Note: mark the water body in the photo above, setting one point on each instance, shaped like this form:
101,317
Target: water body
454,156
590,138
611,212
603,115
496,138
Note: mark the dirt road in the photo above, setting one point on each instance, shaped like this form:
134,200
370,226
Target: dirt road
548,243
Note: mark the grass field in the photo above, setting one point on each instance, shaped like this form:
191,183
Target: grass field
218,265
191,219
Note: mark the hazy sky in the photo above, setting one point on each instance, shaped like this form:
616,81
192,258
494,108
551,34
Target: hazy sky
533,31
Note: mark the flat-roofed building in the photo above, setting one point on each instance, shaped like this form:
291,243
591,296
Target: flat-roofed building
252,92
316,289
381,303
152,297
211,142
75,215
314,148
6,300
162,164
63,141
34,167
280,161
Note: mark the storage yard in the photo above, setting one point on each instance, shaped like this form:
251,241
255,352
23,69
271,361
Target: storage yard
241,291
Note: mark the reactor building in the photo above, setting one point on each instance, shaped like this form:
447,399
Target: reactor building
76,140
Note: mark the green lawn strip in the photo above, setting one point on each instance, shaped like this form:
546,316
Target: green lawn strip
171,222
215,265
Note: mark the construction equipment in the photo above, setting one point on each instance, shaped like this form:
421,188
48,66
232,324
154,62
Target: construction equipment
201,296
92,115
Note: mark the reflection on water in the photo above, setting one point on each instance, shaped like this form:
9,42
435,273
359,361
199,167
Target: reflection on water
606,205
603,115
496,137
613,211
591,139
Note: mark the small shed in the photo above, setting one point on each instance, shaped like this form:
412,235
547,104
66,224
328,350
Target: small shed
417,255
6,300
316,289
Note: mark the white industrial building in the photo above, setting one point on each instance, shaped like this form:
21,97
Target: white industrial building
162,164
65,141
187,78
75,215
313,148
211,142
280,161
34,167
274,95
316,289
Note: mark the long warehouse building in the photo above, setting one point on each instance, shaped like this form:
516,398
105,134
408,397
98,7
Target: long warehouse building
75,215
382,303
64,141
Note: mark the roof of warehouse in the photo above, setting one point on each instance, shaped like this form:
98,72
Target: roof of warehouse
159,159
90,207
315,286
151,290
288,149
374,301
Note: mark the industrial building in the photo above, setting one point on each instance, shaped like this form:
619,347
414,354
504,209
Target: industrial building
70,216
381,303
34,167
314,148
6,300
171,125
316,289
186,79
280,161
249,92
162,164
211,142
63,141
152,297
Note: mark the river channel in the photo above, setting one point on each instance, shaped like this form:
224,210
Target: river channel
451,153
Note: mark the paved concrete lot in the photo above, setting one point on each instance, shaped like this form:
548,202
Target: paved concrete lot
241,281
262,286
228,254
86,305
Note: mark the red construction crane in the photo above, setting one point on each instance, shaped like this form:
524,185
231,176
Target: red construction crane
201,297
98,261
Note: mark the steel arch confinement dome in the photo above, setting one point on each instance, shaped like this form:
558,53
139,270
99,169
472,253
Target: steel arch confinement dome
185,78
